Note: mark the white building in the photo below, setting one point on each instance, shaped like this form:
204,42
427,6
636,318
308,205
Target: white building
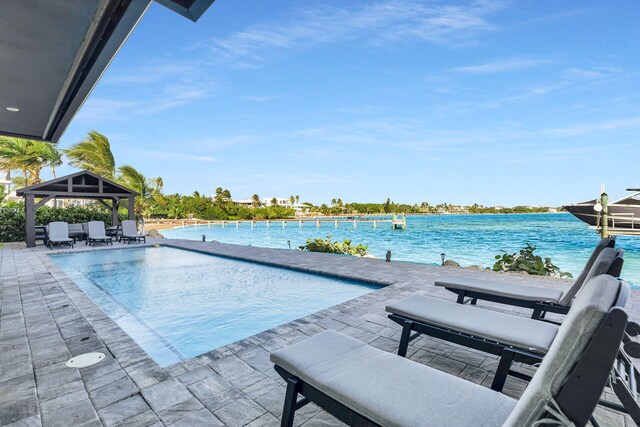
244,202
5,182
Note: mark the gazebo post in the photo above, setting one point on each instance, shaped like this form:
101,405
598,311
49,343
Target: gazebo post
130,207
114,212
30,220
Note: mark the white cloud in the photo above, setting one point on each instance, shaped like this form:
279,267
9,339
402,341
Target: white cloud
172,155
503,65
376,23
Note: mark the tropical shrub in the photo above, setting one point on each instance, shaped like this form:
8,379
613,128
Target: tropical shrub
11,225
525,260
12,220
328,246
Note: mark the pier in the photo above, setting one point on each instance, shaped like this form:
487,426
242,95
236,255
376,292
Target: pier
397,222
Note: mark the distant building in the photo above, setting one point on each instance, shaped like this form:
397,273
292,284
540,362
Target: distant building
244,202
285,203
5,182
5,179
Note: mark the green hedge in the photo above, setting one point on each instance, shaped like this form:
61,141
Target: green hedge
12,220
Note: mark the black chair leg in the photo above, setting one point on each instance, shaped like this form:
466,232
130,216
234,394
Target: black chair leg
405,338
503,370
290,400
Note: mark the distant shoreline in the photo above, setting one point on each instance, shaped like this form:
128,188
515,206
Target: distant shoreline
170,224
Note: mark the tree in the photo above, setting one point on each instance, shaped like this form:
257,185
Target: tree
292,199
297,199
93,154
136,181
274,202
50,155
333,202
255,201
387,206
29,157
16,154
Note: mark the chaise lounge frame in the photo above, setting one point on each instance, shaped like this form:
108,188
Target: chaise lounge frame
583,385
624,376
540,308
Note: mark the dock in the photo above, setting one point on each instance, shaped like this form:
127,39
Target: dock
397,222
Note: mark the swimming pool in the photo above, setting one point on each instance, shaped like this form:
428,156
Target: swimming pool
178,304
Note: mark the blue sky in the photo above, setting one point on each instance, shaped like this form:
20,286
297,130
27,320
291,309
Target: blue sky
494,102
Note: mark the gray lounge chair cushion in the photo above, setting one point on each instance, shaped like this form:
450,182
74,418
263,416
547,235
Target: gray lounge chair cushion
572,290
502,289
505,328
129,229
59,232
598,295
97,232
601,265
388,389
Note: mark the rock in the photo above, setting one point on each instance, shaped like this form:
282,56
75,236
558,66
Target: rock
155,234
451,263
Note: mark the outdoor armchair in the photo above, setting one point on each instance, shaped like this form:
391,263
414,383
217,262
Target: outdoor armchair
77,232
130,232
363,385
58,234
538,298
97,233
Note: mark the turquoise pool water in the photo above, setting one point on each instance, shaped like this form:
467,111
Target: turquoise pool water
467,239
178,304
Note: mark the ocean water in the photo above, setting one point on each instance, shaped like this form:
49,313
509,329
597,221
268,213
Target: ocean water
467,239
178,304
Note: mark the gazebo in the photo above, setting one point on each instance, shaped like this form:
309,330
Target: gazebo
79,185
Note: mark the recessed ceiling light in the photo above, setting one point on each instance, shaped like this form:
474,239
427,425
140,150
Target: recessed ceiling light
13,109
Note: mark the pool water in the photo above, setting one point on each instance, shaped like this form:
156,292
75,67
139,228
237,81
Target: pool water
178,304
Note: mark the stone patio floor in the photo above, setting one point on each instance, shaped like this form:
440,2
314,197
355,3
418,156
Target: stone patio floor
45,319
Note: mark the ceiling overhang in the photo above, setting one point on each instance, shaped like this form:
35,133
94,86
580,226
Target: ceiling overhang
53,52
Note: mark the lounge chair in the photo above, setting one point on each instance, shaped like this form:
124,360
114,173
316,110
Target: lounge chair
540,299
362,385
58,234
130,232
97,234
513,338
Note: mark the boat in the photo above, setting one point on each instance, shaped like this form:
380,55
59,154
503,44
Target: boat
623,214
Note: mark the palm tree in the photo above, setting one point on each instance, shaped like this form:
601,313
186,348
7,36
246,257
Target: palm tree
50,155
292,200
93,154
255,201
333,202
136,181
274,201
17,154
297,199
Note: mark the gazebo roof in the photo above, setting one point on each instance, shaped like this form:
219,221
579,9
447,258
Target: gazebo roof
79,185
